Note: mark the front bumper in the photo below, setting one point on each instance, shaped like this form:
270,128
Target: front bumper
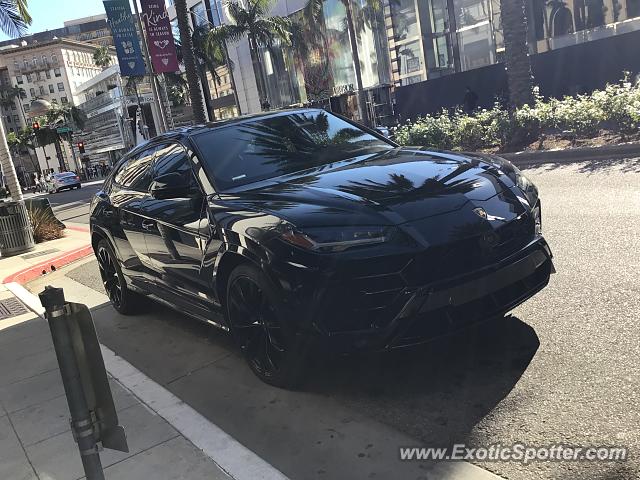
414,315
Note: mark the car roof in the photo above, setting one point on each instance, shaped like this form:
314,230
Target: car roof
196,129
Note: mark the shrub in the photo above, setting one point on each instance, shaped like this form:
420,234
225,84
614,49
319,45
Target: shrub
44,226
616,107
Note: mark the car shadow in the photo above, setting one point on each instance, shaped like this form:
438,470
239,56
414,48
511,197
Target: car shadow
436,392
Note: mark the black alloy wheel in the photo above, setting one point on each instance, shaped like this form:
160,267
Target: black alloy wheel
271,350
123,300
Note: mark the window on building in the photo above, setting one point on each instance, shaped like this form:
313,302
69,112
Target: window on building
60,87
38,77
476,47
13,106
51,89
8,118
54,100
54,58
44,59
64,99
32,91
16,119
28,78
19,79
16,65
35,61
26,107
56,72
410,58
25,63
42,92
48,73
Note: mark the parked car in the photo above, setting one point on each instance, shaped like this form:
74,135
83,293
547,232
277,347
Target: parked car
64,181
302,232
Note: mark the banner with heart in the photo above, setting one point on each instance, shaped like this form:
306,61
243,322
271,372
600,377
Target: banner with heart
162,48
125,37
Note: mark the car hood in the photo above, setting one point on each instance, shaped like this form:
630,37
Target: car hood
392,187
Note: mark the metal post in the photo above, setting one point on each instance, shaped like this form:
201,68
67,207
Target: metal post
82,424
154,87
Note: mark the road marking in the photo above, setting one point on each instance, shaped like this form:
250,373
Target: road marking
230,455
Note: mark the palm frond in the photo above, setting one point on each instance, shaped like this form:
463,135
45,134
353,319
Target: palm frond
14,17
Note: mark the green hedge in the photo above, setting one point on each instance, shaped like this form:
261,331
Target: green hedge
616,108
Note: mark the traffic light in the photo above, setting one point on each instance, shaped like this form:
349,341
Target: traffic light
81,147
35,126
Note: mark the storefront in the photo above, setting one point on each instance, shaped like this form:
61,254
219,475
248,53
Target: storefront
320,69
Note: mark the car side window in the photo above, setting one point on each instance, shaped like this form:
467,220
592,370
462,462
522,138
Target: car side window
136,172
174,158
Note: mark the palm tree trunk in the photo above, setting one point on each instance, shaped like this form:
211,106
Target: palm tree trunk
518,62
257,71
206,92
362,98
9,169
189,62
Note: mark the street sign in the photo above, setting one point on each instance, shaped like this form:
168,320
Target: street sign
64,130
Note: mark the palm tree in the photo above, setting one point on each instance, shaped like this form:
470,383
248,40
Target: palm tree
261,31
516,52
14,19
189,61
21,142
102,57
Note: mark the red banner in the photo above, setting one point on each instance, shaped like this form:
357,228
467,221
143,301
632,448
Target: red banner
162,48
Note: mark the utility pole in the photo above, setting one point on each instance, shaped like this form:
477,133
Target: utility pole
147,58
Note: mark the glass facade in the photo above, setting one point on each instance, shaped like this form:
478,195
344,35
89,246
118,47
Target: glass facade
320,69
431,38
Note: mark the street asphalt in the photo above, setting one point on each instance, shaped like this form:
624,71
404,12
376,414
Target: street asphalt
73,205
563,370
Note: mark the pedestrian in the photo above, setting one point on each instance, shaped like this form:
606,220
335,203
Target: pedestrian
470,100
36,183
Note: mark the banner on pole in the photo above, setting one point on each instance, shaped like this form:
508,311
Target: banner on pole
162,48
125,37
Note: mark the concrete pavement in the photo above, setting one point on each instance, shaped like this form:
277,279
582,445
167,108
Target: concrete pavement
35,439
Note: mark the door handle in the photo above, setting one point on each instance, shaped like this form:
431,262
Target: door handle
148,224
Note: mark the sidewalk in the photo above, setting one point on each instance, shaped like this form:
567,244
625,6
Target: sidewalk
35,439
47,256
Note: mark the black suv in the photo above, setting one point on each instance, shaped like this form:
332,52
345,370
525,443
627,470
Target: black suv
300,230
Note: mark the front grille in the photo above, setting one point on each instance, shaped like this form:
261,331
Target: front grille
368,295
453,318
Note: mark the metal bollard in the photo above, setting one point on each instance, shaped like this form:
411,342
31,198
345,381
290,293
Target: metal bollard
93,414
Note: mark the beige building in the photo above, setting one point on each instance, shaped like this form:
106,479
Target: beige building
51,70
92,29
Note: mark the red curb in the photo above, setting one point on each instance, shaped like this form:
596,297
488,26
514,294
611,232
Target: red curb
30,273
77,229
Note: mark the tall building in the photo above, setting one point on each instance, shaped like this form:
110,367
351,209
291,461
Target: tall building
92,29
48,70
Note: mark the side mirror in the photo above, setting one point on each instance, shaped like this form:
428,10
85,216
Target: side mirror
170,185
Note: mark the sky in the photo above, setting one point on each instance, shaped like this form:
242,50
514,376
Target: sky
50,14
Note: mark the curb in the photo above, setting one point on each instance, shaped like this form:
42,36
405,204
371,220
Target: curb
582,154
51,265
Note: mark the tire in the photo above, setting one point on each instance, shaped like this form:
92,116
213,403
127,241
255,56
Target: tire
122,298
273,351
79,187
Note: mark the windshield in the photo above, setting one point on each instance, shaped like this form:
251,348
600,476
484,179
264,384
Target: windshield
274,146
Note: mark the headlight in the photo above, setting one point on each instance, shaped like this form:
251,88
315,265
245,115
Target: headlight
336,239
528,188
537,218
